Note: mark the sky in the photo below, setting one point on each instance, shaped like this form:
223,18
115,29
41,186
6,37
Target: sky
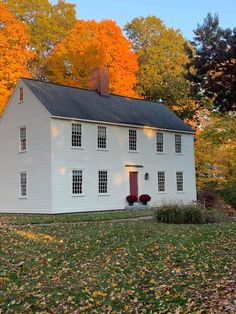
179,14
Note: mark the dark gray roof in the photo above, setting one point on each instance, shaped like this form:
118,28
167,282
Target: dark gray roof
77,103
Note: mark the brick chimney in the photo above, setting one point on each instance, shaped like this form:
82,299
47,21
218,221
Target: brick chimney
99,81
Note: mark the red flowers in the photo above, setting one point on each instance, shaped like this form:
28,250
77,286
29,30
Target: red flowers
144,198
131,198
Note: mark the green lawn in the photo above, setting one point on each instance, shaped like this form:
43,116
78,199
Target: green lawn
118,267
22,219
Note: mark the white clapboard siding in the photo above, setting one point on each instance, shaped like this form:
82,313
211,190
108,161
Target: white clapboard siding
89,159
36,161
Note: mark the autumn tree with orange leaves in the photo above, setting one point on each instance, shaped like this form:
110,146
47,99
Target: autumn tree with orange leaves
14,53
91,44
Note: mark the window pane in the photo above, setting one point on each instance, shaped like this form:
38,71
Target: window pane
161,181
178,143
102,181
159,139
23,139
102,142
132,140
179,181
76,135
77,182
23,184
23,132
21,94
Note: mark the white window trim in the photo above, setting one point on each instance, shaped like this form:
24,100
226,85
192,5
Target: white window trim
19,128
103,149
82,194
107,193
163,152
76,147
130,150
183,191
20,88
162,192
19,178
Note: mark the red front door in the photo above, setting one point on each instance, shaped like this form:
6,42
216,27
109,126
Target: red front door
133,183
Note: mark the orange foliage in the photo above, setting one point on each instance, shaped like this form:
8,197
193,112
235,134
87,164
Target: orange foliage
91,44
14,53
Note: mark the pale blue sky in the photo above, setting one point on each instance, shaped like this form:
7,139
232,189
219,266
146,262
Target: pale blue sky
182,14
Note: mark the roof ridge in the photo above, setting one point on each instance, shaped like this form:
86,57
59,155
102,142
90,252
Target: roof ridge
70,101
89,90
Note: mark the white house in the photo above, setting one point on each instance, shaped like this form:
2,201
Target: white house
66,149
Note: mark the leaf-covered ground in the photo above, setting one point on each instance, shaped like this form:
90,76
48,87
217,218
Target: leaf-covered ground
118,267
22,219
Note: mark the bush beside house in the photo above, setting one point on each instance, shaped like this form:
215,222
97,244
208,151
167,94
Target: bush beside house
182,214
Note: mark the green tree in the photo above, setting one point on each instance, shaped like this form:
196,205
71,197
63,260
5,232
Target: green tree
162,58
216,151
47,25
214,63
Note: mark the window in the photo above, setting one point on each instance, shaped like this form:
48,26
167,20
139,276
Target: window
179,181
161,181
23,184
102,137
23,139
76,135
77,182
132,139
159,138
21,94
178,148
102,181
